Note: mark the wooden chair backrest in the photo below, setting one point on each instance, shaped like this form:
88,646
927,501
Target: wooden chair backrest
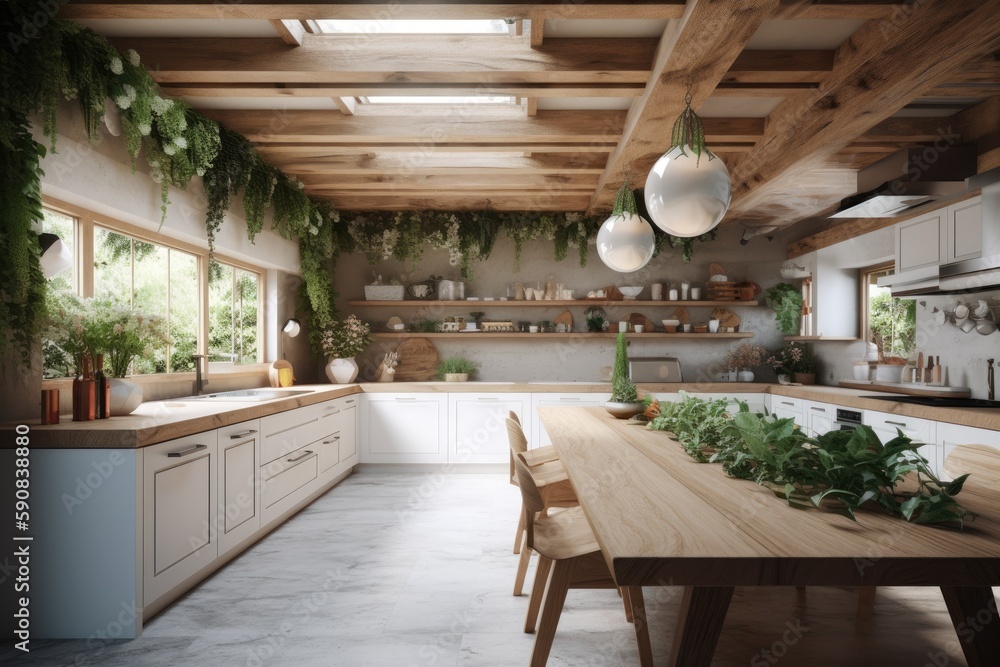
982,489
531,497
515,437
513,415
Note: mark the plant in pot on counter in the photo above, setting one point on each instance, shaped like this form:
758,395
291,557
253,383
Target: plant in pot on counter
794,360
745,358
342,342
786,300
624,403
457,369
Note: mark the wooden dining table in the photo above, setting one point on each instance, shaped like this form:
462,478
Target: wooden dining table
663,519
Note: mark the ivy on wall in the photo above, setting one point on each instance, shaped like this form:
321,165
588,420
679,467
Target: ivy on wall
46,61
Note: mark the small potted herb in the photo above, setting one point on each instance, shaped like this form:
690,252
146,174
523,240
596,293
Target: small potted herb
624,403
457,369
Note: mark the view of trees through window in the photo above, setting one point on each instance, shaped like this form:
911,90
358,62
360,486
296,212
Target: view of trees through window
892,322
159,280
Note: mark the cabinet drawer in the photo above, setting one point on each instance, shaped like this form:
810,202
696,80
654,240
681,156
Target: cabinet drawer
289,431
787,404
327,451
288,476
918,430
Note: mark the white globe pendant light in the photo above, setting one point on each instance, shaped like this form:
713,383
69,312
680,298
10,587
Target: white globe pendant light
688,189
625,242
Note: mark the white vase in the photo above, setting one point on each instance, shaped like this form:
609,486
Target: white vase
342,371
125,396
745,376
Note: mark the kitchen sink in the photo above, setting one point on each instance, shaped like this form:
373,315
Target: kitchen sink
939,402
252,395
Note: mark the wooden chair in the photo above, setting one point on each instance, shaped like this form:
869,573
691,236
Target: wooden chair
534,457
556,491
568,557
983,487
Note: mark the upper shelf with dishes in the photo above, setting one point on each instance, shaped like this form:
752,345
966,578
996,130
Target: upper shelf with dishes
562,303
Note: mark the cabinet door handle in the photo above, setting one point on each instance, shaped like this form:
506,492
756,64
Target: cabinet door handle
903,424
350,401
486,398
186,452
327,442
299,457
411,398
244,434
336,411
812,407
787,403
569,399
331,407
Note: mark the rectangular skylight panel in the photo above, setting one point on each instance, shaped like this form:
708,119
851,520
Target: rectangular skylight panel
439,99
413,27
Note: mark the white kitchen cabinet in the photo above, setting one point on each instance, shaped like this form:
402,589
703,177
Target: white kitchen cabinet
922,242
348,433
239,493
950,436
477,426
538,437
180,511
784,407
404,428
964,225
287,481
819,417
887,426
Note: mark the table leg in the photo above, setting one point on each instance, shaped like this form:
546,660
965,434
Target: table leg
703,611
974,613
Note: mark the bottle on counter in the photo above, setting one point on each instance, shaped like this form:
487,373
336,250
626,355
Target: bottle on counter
929,370
77,391
84,393
103,390
938,374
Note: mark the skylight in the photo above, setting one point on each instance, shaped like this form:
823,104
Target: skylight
412,26
438,99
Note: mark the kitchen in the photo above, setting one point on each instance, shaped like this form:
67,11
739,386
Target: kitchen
422,196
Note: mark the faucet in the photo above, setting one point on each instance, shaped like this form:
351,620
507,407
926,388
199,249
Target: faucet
990,383
199,379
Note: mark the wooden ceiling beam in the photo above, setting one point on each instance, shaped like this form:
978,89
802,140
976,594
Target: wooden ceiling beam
839,9
437,128
697,51
361,9
881,69
533,90
456,181
396,59
307,151
438,164
780,66
454,201
291,32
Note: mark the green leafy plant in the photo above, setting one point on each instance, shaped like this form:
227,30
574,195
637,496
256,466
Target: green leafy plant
893,323
622,388
786,300
427,326
458,365
123,334
704,428
792,358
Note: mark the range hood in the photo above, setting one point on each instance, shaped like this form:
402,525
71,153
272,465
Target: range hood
983,273
909,178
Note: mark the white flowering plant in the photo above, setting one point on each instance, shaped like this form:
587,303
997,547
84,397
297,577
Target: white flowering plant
346,339
122,334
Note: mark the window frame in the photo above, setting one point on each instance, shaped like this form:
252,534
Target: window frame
84,232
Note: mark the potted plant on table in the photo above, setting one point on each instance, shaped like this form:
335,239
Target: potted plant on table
341,343
457,369
745,358
624,403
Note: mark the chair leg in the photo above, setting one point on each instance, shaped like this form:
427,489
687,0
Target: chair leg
537,593
866,608
522,567
519,536
627,601
641,628
552,606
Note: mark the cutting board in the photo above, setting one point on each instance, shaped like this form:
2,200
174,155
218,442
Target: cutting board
639,318
418,360
681,315
726,317
565,317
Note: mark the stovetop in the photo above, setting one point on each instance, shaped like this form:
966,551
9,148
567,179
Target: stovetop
939,402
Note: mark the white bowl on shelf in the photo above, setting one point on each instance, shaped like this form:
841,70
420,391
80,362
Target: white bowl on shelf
630,292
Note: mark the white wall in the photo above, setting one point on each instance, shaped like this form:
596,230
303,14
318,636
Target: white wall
573,359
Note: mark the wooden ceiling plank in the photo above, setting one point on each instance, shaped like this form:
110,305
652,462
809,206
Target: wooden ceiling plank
453,201
697,50
439,164
536,35
306,151
396,59
290,31
840,9
347,105
981,125
557,127
367,90
372,9
878,71
779,66
454,181
531,106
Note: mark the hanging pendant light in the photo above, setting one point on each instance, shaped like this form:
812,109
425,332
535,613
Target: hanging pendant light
625,242
686,195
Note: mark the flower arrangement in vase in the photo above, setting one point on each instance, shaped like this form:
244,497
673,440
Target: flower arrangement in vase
745,358
341,343
794,360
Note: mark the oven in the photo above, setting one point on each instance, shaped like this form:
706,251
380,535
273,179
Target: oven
847,420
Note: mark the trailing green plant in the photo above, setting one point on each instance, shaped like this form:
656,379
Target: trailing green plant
458,365
427,326
225,178
786,300
703,427
622,388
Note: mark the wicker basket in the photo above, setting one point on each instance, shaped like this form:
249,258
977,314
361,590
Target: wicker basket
722,291
384,292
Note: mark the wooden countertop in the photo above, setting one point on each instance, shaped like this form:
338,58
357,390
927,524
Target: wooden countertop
158,421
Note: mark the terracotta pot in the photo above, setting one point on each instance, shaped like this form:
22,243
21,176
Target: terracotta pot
805,378
342,371
624,410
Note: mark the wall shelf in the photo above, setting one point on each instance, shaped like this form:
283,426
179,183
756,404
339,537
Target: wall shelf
581,303
537,336
820,339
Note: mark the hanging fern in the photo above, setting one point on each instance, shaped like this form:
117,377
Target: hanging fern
257,196
225,178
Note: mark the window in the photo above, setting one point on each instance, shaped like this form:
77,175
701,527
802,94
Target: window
161,277
413,26
889,322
